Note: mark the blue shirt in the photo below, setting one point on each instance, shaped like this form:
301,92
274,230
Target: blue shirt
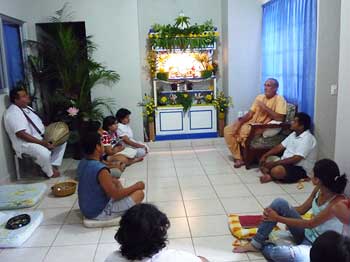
92,197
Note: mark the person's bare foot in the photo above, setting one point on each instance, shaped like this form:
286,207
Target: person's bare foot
56,173
238,163
138,159
246,248
265,179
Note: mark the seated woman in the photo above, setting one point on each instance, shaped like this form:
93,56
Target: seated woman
142,236
328,192
342,211
101,196
114,148
125,132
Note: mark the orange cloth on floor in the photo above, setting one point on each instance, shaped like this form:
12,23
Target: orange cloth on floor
277,103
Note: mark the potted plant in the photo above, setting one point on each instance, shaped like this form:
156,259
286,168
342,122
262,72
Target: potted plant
185,100
148,112
222,103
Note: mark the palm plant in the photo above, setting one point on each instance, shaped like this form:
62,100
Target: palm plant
64,68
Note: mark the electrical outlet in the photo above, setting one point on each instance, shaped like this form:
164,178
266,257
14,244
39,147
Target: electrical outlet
240,113
334,90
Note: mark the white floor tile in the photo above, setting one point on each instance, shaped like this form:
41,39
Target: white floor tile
293,188
74,217
228,191
188,164
162,182
190,171
203,207
265,189
218,249
55,216
224,179
265,201
209,226
256,256
300,198
108,234
178,228
77,235
239,205
164,194
172,208
51,201
71,253
193,181
217,170
204,192
162,172
43,236
24,254
183,244
104,250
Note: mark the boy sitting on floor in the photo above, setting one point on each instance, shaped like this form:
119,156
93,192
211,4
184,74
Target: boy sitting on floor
101,196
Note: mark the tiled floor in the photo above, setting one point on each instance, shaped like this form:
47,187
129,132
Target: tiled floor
193,182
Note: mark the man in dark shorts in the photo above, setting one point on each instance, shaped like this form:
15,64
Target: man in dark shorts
299,154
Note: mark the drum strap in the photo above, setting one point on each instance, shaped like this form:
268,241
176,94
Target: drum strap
30,121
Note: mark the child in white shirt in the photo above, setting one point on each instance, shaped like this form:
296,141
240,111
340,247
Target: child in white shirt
125,133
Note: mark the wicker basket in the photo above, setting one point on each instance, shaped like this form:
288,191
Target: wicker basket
64,188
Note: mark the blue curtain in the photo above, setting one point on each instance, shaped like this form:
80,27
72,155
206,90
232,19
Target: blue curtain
14,57
289,34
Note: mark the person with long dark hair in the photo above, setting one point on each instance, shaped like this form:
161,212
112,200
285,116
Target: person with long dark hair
330,185
142,236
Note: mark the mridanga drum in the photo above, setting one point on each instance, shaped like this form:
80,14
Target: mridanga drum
57,133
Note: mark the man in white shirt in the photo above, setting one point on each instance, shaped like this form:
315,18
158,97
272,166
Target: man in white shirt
26,130
299,154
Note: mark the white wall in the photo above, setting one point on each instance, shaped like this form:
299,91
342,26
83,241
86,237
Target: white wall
114,27
243,53
342,145
327,74
20,10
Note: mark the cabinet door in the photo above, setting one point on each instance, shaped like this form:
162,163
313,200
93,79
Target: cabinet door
202,119
170,121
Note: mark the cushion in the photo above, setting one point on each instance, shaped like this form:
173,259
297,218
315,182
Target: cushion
15,238
291,111
92,223
21,195
247,233
238,231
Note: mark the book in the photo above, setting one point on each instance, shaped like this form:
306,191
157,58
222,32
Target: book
250,221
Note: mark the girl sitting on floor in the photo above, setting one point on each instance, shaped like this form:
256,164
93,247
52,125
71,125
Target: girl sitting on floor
125,133
114,148
328,192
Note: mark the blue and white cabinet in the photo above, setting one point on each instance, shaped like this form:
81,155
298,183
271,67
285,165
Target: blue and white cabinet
197,122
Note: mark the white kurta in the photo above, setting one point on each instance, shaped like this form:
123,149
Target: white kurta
15,121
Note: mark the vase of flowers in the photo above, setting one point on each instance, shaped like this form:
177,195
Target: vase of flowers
222,103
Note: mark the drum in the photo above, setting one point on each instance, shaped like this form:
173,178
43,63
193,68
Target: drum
57,133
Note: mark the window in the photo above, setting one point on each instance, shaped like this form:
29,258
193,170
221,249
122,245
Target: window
11,52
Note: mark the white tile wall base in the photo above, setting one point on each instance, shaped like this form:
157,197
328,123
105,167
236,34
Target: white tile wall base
192,181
